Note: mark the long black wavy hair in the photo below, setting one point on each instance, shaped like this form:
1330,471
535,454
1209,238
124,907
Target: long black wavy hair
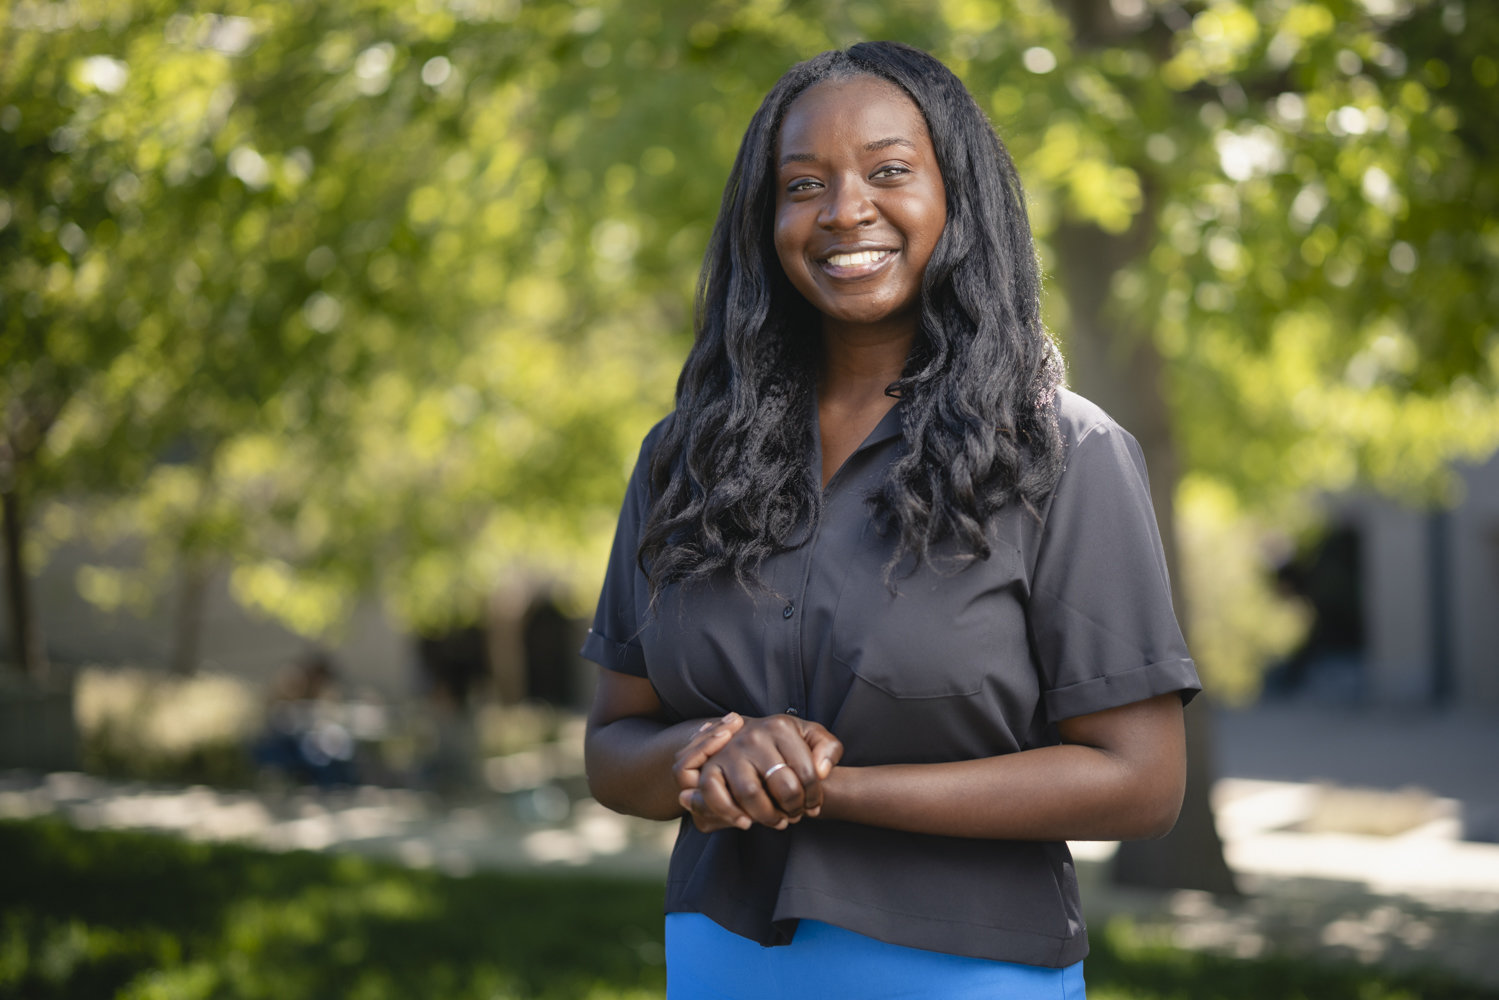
731,477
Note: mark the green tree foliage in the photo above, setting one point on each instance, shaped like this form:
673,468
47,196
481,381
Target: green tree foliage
379,294
300,287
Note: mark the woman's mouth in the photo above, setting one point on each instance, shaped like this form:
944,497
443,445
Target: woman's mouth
856,263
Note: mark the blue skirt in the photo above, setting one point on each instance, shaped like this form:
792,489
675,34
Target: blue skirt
706,962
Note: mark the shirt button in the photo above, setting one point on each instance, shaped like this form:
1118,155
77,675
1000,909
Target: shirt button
788,610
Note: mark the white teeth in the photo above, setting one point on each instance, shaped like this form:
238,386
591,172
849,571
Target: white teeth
855,259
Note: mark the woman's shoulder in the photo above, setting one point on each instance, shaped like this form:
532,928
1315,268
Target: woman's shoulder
1079,418
648,445
654,436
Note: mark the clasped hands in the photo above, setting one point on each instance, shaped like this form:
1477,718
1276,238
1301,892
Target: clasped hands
737,771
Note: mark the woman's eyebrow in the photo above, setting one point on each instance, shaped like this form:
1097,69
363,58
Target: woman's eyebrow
895,140
869,147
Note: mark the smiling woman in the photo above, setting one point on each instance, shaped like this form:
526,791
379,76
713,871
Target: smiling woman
887,619
859,207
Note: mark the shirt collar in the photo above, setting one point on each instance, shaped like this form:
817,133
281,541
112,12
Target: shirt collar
890,425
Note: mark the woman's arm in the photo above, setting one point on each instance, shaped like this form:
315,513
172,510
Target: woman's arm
1118,774
640,764
630,749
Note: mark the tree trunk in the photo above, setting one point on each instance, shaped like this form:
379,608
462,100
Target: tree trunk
1190,856
25,632
187,632
1121,370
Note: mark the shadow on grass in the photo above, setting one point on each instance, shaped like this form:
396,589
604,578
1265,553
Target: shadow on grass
103,914
146,917
1120,966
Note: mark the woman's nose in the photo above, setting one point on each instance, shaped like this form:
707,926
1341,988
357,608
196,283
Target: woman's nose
847,206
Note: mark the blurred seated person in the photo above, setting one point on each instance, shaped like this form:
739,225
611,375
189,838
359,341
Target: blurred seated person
304,739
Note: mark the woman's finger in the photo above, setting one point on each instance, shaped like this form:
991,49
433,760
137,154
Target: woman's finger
825,748
708,740
744,778
787,792
715,799
796,787
692,801
779,757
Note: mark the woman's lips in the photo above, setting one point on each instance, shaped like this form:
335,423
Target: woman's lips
856,263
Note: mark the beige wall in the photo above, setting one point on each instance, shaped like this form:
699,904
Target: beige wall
1397,622
1475,563
1397,594
371,654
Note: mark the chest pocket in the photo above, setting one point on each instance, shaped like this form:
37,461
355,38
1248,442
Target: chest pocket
943,632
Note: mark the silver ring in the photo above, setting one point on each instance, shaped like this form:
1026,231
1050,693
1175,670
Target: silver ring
773,769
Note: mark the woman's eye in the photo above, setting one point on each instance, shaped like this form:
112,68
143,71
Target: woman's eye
891,171
797,187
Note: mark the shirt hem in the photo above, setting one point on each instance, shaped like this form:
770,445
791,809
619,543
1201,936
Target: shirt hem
932,933
1113,690
621,657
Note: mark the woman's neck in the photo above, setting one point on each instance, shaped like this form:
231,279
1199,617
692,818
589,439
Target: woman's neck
851,397
857,367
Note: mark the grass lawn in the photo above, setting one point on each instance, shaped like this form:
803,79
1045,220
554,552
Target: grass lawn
89,915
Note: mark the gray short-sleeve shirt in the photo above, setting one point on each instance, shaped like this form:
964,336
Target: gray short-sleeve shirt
1070,614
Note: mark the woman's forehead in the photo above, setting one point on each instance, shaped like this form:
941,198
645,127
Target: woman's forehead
849,106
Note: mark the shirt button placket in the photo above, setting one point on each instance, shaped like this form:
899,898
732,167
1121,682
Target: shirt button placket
789,612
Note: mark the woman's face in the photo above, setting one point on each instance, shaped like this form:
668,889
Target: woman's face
860,202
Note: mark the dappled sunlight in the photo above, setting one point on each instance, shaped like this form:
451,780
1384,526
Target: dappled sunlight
146,715
413,828
1399,843
1405,893
93,913
1313,916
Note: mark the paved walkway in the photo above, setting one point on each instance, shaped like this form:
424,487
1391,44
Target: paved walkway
1352,834
1362,835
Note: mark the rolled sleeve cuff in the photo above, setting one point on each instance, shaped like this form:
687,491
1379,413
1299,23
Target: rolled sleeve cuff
622,657
1112,690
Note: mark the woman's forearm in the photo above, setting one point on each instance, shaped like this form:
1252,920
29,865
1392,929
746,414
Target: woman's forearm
1051,793
1121,776
629,764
